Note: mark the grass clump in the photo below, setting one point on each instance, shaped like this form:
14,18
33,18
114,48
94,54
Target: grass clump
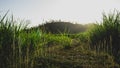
9,34
17,47
105,36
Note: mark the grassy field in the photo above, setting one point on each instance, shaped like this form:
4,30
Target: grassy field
22,47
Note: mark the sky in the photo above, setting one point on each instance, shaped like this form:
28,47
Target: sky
77,11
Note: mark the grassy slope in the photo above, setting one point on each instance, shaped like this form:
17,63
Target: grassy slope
77,56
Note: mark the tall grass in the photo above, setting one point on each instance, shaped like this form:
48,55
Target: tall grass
8,38
17,47
106,35
21,47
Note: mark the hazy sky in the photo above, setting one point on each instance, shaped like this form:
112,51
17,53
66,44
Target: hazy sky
38,11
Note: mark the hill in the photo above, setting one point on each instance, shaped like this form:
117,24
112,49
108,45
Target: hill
56,27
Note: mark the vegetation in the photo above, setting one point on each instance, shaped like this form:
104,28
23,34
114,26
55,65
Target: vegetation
107,34
57,27
60,44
